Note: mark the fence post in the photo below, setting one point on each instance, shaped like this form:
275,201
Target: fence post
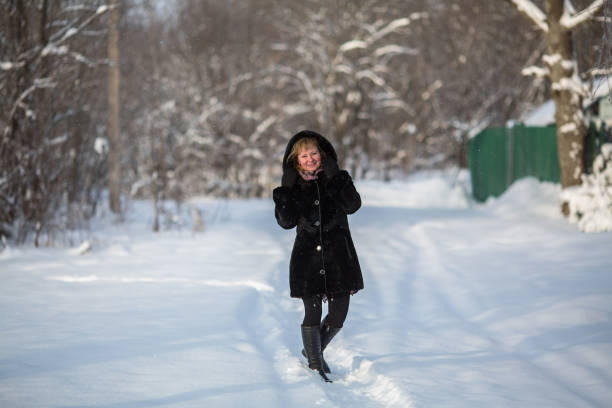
509,155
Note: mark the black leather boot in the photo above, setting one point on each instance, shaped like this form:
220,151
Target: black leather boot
327,334
311,337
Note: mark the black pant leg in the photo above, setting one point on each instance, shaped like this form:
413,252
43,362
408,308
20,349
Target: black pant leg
312,311
338,310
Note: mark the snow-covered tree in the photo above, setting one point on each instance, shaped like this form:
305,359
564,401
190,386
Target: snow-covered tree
465,79
558,20
590,204
49,109
201,100
391,82
348,63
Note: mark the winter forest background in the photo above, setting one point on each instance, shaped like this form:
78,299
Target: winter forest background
140,261
211,90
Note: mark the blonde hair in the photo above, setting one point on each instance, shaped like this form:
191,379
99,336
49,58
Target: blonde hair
300,145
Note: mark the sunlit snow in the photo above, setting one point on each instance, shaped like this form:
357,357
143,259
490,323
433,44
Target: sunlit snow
503,304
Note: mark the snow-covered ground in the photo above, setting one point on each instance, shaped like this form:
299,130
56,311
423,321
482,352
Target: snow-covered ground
504,304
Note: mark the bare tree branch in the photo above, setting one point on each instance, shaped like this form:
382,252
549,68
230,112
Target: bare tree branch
570,22
38,84
533,12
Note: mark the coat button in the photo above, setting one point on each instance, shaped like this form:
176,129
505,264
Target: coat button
322,271
317,223
319,248
316,202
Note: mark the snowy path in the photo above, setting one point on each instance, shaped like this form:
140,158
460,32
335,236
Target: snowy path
462,308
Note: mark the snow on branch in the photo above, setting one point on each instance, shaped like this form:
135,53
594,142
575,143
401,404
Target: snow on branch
8,65
352,45
261,128
394,49
52,49
573,85
382,32
396,104
570,127
590,204
102,9
343,68
70,32
533,12
570,21
82,59
600,72
371,76
551,60
303,79
392,26
538,72
566,64
236,139
54,46
19,103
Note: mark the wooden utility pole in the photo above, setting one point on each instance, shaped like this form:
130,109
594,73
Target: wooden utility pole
114,139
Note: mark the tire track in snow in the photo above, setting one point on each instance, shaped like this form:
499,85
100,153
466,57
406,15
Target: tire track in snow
360,376
263,316
356,379
441,293
445,294
262,287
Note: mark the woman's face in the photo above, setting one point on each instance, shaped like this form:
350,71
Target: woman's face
309,158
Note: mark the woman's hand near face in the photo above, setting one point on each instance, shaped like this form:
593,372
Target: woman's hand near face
290,176
330,168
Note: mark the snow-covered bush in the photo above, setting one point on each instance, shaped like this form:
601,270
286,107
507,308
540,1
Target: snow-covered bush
590,204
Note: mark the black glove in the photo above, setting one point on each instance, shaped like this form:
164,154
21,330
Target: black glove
330,168
290,176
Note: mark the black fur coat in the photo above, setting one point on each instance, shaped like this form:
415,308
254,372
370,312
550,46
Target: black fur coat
323,260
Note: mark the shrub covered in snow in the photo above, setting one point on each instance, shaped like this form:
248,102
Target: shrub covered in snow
590,204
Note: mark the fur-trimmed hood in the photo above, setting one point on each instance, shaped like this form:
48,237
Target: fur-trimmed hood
328,150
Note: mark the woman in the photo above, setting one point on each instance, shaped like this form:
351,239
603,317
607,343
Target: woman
316,196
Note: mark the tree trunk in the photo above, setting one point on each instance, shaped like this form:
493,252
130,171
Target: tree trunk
571,130
114,156
158,154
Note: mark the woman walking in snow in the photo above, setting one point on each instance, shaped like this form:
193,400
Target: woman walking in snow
316,196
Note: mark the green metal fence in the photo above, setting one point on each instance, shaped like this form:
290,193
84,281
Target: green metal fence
499,156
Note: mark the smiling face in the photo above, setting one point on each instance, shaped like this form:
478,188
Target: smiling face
309,158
